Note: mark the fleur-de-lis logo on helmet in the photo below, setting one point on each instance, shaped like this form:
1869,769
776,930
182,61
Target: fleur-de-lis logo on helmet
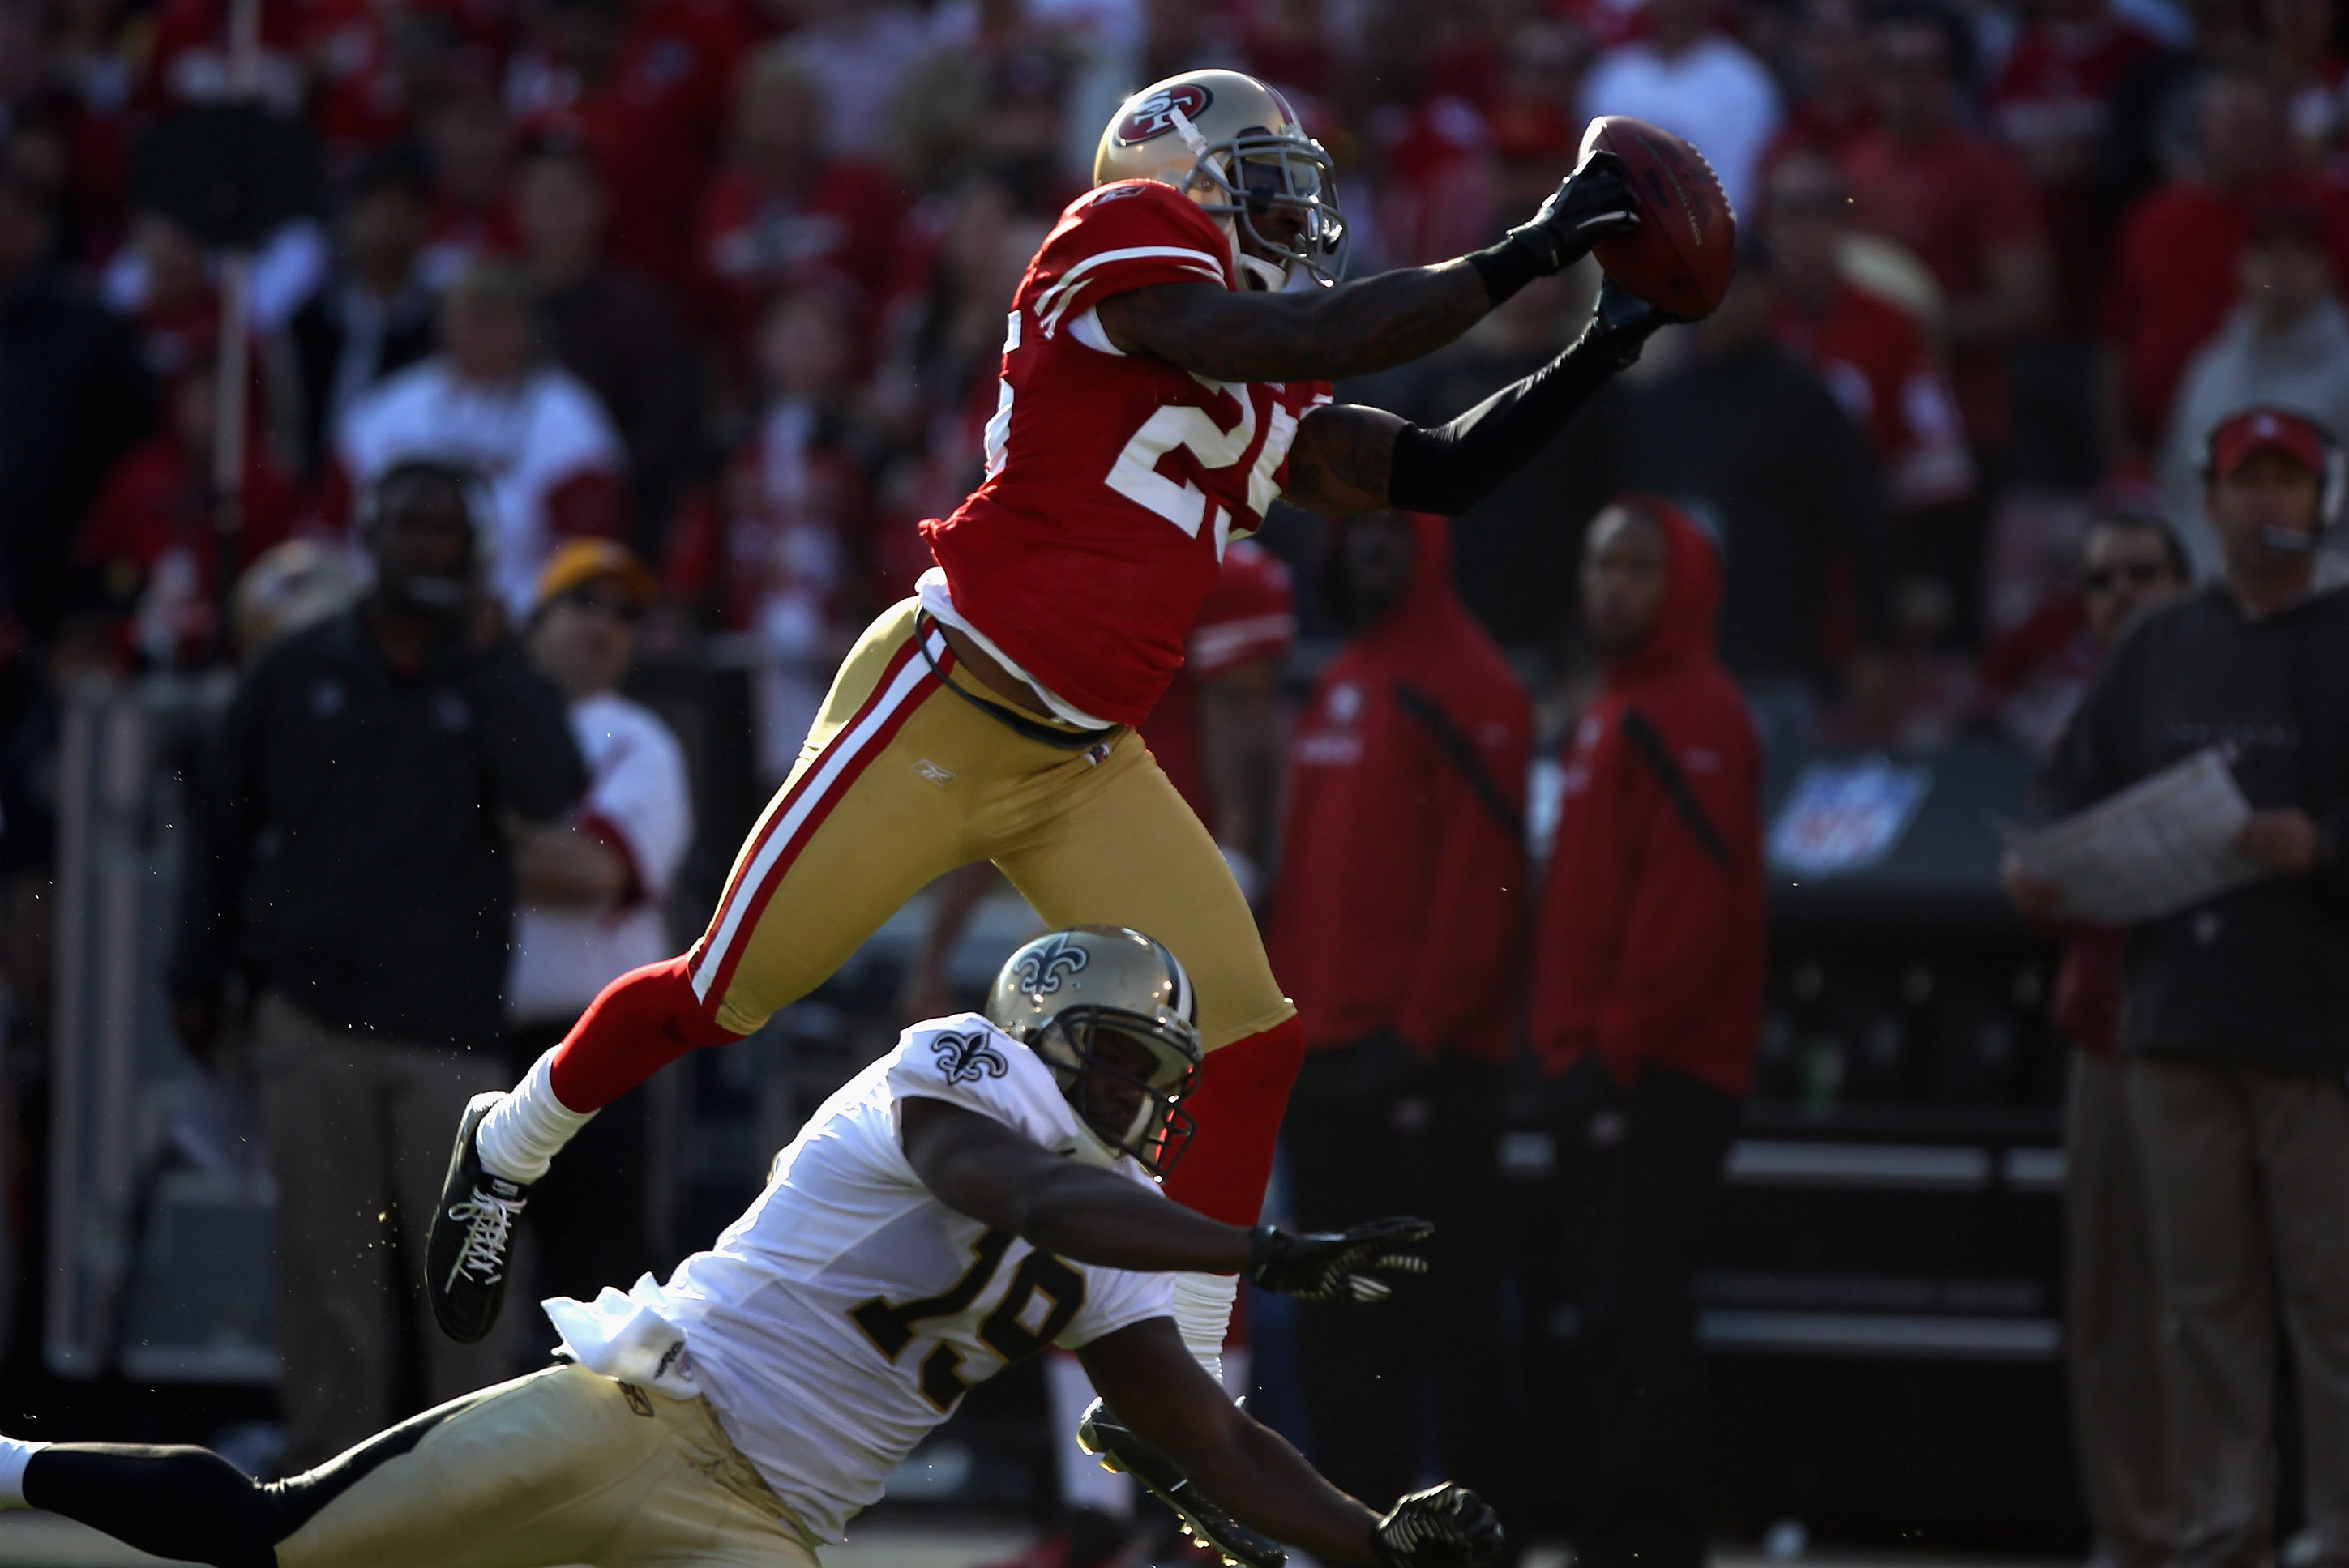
1041,971
966,1058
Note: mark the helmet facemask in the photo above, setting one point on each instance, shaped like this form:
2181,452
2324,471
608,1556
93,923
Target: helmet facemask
1258,172
1160,1068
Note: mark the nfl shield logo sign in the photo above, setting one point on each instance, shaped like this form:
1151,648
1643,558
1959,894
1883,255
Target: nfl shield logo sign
1846,816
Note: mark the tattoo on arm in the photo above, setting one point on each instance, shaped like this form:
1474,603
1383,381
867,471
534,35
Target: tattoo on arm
1341,459
1323,334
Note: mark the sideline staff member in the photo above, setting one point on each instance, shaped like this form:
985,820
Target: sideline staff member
2235,1012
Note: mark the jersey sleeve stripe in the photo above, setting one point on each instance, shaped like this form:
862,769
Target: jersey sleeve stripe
1054,300
807,805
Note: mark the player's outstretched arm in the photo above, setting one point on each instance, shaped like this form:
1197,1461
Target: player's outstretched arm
1143,1373
1328,334
978,1166
1348,458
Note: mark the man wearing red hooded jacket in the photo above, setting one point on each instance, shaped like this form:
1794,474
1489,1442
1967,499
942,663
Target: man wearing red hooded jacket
1398,923
1647,977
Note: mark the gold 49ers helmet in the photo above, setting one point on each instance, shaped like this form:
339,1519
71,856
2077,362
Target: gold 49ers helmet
1232,144
1111,1013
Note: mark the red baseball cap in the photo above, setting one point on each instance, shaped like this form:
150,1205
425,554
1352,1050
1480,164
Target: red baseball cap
2242,437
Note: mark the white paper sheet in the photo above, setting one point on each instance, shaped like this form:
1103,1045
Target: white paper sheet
2160,845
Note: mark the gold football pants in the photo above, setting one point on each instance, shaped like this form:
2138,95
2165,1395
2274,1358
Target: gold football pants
564,1466
903,780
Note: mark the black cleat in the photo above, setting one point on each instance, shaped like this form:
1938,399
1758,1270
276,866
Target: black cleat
1100,1434
471,1239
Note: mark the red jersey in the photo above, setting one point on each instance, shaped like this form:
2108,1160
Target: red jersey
1113,480
1876,360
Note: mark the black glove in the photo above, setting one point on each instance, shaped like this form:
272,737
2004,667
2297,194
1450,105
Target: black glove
1323,1266
1621,322
1446,1526
1589,204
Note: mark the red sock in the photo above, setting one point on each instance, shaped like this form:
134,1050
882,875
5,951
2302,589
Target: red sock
642,1022
1243,1092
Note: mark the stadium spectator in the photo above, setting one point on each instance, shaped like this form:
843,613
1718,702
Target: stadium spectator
774,548
1694,79
1790,484
160,280
1514,554
1926,182
992,108
1834,105
472,152
2286,344
785,210
1873,354
153,546
2112,1318
345,861
489,401
2178,266
862,50
374,316
74,398
645,84
2234,1016
2151,112
591,894
1397,921
615,333
1656,878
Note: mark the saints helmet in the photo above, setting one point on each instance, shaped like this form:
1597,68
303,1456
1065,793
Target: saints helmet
1232,144
1068,994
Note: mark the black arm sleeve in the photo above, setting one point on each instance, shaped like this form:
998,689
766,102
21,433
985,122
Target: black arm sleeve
1454,466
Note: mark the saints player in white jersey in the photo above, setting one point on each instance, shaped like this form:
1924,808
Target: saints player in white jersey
983,1191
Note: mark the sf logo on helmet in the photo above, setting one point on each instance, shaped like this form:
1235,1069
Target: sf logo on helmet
1154,115
966,1058
1041,971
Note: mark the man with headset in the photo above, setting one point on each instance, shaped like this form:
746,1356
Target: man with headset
2234,1023
349,885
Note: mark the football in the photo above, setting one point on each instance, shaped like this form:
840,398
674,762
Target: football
1682,256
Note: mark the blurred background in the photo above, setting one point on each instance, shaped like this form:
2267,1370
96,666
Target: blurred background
724,280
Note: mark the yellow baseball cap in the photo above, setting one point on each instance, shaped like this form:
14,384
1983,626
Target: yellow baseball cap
579,561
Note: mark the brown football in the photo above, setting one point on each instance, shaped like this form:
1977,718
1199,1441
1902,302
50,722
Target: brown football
1682,256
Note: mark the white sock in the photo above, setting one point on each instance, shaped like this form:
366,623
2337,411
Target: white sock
15,1453
1202,1314
1083,1482
525,1131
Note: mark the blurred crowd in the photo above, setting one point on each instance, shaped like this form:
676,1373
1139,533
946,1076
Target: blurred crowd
724,279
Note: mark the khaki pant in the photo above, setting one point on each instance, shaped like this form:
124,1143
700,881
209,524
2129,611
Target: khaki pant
2129,1469
358,1136
560,1467
901,780
2247,1181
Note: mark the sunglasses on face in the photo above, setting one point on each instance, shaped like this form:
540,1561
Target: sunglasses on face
2139,573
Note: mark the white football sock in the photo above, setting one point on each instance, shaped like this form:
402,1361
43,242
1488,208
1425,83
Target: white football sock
525,1131
1084,1483
15,1453
1202,1314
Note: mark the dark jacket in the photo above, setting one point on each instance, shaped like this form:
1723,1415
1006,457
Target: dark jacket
1401,902
1652,939
346,851
1760,446
2260,973
74,398
323,331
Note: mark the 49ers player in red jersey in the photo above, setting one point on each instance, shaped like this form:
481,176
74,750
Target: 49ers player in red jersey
1161,387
